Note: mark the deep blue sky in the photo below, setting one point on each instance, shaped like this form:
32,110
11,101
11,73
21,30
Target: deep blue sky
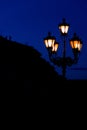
28,22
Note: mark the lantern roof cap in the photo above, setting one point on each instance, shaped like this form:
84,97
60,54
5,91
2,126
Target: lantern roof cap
75,38
49,37
64,23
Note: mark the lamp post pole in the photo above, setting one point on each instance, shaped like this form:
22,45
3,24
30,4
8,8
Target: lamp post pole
64,59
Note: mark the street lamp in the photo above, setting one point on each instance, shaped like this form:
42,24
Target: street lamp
52,46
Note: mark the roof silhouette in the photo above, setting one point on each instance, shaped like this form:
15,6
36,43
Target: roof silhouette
23,64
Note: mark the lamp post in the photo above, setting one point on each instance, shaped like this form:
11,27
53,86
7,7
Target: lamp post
52,47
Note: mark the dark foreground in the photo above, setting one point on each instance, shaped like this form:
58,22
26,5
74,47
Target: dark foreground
62,88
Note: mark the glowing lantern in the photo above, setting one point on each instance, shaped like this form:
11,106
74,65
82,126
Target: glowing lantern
63,27
49,41
55,47
76,43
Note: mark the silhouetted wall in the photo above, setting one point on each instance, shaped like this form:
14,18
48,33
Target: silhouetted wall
23,64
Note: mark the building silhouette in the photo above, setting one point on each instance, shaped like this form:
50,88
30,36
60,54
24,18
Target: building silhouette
22,65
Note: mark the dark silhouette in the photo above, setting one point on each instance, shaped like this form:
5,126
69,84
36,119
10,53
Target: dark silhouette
22,66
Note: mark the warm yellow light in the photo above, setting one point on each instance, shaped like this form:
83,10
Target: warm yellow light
64,29
71,43
46,43
49,42
76,45
79,46
55,47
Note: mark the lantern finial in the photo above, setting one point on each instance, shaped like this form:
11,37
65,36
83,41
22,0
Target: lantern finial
49,33
64,20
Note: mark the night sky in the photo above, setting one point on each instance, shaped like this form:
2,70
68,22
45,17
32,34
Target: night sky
28,22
